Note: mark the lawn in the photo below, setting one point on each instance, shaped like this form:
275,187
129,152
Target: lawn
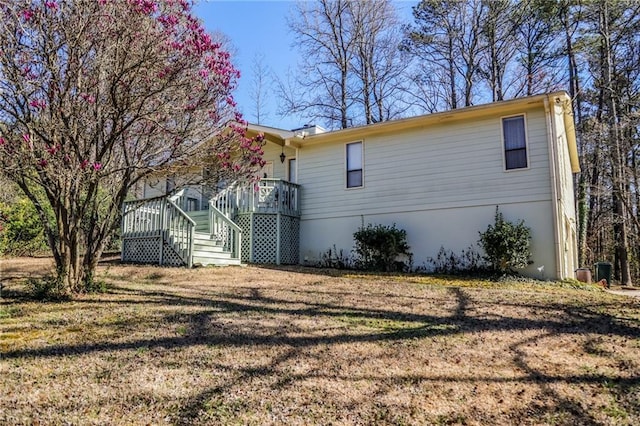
303,346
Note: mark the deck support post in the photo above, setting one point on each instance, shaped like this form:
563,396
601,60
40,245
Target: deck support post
278,239
123,227
163,204
252,237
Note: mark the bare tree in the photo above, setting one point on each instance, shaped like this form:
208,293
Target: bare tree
538,44
378,63
569,20
470,46
94,96
447,38
498,35
259,85
425,91
351,70
611,131
322,87
433,41
610,90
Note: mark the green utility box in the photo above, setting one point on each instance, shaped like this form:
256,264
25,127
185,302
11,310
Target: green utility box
603,271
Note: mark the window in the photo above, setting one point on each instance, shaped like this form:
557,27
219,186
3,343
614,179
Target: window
354,165
292,171
515,142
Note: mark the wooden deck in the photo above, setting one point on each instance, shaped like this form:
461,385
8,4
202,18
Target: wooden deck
268,196
257,222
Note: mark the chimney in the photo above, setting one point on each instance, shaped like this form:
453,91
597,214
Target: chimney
308,130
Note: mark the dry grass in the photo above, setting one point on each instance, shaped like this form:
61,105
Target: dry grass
265,346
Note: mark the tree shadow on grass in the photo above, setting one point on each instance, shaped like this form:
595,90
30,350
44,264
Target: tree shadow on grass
576,321
555,408
341,273
204,328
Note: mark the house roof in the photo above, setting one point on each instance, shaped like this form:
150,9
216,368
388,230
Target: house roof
290,138
272,134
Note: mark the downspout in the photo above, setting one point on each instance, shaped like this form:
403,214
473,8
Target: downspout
555,192
297,162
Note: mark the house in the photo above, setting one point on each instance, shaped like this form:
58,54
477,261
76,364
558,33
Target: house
438,176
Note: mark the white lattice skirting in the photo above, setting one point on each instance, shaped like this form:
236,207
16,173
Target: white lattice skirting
260,238
147,250
289,240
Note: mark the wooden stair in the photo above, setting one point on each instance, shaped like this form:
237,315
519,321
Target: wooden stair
207,251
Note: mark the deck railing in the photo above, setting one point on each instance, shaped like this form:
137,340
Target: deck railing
142,218
225,231
265,196
159,217
180,229
226,201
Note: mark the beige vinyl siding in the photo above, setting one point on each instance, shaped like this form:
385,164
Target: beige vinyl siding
154,187
455,229
439,167
441,184
272,153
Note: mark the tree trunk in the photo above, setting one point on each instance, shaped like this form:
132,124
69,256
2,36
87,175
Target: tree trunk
530,65
617,175
452,74
366,85
68,268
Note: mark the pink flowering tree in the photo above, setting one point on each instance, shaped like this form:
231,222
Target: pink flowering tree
97,94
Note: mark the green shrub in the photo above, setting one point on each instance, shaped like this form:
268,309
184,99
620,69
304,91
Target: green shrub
506,245
47,288
21,232
380,248
335,259
447,262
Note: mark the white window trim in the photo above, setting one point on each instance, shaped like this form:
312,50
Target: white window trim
289,169
344,169
526,143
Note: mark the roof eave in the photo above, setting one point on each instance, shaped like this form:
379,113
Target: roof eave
570,130
502,107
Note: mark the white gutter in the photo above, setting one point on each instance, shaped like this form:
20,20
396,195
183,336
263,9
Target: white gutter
555,192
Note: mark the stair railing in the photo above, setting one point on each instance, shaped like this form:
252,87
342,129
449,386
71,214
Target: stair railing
178,198
225,231
159,217
179,230
226,201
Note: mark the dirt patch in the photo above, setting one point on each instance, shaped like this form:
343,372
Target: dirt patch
302,346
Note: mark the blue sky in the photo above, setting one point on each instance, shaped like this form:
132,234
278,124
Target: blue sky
260,26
